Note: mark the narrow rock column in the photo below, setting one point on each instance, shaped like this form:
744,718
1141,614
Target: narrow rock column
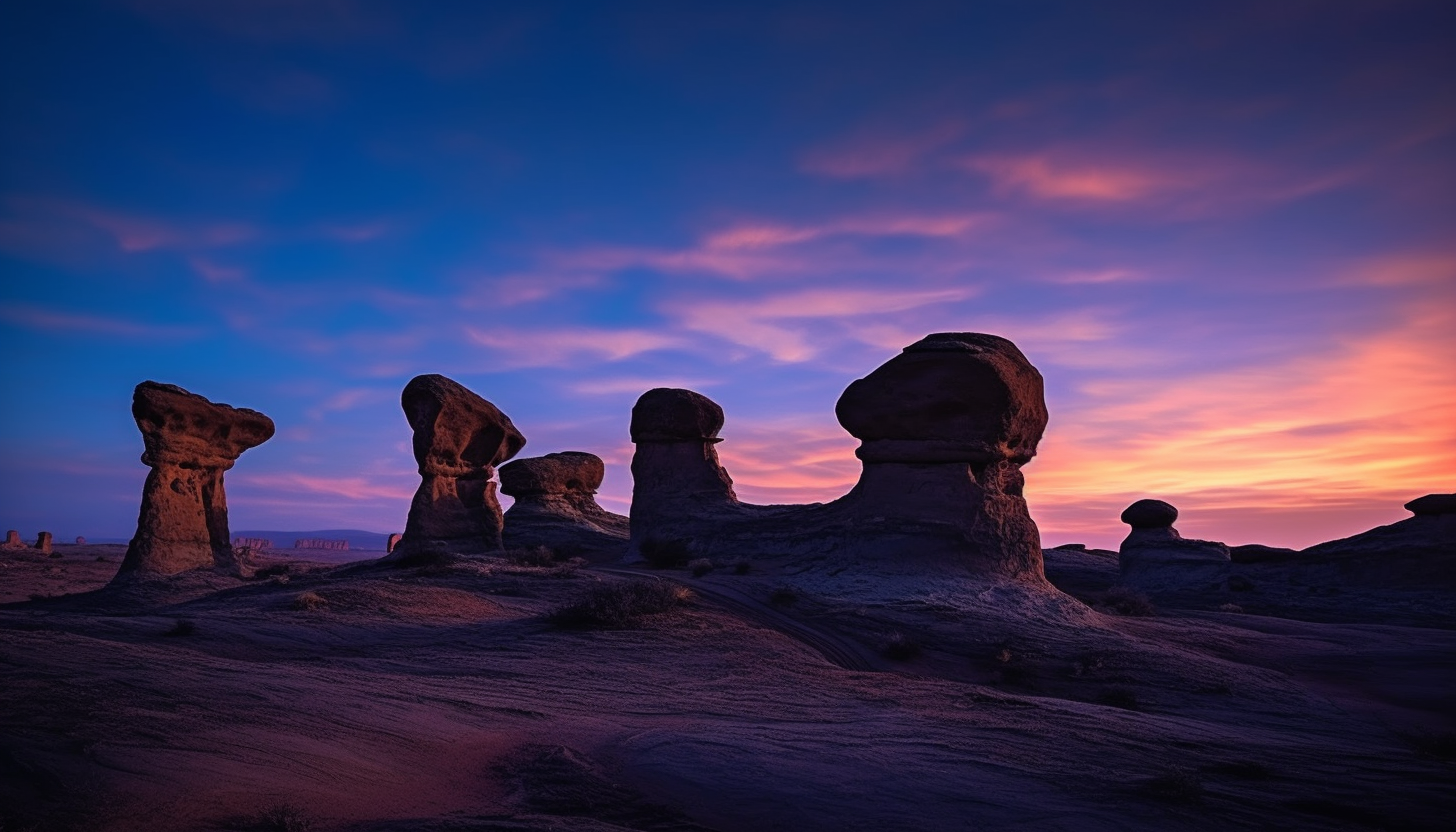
459,438
13,541
677,480
190,443
1158,560
43,542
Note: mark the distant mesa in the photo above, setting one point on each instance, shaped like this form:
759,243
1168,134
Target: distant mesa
80,541
945,427
321,543
556,507
1156,559
43,542
254,543
459,438
190,442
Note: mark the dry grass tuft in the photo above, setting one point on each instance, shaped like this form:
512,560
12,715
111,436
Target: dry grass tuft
534,556
284,817
899,647
614,605
183,627
309,601
1127,601
700,567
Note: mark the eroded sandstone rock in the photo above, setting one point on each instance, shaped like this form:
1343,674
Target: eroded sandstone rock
43,542
1432,505
392,542
459,438
1156,559
13,541
555,505
190,442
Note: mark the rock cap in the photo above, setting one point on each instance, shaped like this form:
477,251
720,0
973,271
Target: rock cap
671,414
1432,504
182,427
564,472
456,432
1150,514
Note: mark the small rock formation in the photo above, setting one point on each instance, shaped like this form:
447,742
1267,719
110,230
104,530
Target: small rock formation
459,438
43,542
80,541
1417,551
321,543
13,541
1432,505
1157,560
945,427
392,542
190,443
254,543
555,505
677,481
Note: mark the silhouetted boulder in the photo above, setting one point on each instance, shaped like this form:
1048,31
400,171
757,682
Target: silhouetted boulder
1150,514
1157,560
459,438
1432,505
555,505
190,442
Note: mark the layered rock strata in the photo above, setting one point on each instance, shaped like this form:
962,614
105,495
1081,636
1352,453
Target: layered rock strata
556,507
190,443
1156,559
459,438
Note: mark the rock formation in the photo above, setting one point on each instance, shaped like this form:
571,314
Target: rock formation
321,543
392,542
13,541
190,442
43,542
555,506
255,543
80,541
1419,550
945,427
459,438
1157,560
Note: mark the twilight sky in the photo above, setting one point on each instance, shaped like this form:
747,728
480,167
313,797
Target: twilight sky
1223,232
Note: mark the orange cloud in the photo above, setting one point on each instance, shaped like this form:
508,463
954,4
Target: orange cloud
1041,176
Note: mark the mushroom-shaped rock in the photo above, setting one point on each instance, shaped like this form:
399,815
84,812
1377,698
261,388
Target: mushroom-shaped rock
949,397
945,427
459,438
1150,514
555,505
677,481
1156,559
1432,505
189,443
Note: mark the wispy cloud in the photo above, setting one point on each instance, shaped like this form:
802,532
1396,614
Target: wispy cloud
49,320
636,385
567,347
348,487
880,152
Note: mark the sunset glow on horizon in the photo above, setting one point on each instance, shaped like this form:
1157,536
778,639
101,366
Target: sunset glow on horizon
1225,234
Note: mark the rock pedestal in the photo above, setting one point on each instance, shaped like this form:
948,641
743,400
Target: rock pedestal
678,485
555,506
1155,559
13,541
459,438
43,542
190,442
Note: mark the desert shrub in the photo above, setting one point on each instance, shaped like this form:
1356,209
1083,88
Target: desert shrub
783,596
284,817
534,556
607,606
309,601
741,566
1230,608
700,567
665,553
899,647
1176,784
1119,698
1127,601
54,555
182,627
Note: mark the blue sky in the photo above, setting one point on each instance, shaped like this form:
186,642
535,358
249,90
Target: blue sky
1222,231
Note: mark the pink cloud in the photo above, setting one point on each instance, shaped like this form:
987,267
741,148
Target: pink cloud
874,153
215,273
35,317
348,487
569,347
57,220
1415,269
1048,178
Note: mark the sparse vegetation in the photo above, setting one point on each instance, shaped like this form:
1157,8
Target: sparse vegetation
1230,608
182,627
534,556
284,817
899,647
1178,785
700,567
309,601
741,566
1123,698
783,596
1127,601
608,606
665,553
1238,583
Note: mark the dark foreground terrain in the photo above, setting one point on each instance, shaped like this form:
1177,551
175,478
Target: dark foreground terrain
453,695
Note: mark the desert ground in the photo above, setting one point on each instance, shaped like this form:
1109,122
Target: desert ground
445,693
